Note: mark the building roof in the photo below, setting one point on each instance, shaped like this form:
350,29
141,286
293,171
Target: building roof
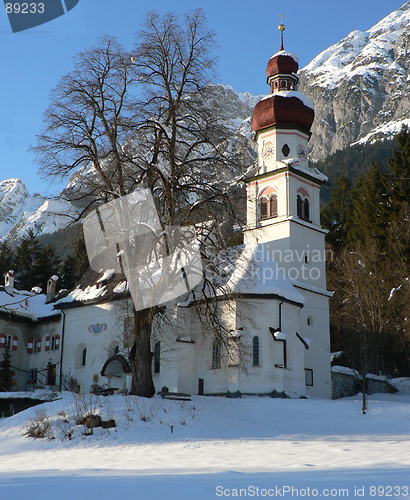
25,305
256,273
283,108
96,287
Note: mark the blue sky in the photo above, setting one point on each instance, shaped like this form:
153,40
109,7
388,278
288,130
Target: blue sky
33,61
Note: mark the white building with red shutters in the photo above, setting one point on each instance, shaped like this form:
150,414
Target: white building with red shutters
31,328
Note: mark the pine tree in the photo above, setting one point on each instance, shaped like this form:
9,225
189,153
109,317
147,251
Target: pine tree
46,265
6,258
25,259
75,264
336,216
371,207
400,167
68,276
6,372
81,263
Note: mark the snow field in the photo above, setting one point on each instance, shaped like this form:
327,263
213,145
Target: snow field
211,447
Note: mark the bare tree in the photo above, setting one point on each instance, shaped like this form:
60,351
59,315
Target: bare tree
363,310
122,121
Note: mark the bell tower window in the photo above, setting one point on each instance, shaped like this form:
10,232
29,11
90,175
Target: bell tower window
269,206
303,208
264,208
273,206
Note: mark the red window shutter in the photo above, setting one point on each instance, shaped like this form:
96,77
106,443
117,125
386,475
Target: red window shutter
39,345
2,340
30,346
47,344
57,344
14,345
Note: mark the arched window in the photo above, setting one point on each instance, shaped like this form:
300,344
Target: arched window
255,351
299,206
80,356
303,208
264,208
269,206
216,355
306,214
273,206
157,357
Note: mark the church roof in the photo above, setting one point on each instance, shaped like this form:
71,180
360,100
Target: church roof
282,63
256,273
283,108
247,271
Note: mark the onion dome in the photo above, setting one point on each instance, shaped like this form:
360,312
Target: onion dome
287,108
283,63
284,106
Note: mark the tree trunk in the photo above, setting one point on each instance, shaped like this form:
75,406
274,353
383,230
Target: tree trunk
140,356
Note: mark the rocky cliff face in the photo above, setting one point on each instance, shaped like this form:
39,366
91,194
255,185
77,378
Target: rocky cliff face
360,86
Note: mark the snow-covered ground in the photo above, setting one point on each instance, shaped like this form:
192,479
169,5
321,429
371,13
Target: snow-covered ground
210,448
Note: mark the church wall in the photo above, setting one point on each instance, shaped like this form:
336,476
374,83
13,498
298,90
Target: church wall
317,357
268,377
196,359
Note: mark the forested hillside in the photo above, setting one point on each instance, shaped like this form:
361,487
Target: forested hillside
369,232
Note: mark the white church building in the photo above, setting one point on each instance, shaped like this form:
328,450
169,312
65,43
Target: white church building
278,320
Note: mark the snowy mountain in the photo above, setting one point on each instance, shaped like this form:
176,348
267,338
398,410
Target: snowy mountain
20,212
360,85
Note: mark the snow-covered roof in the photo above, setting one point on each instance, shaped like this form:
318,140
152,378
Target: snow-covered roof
25,304
312,171
256,275
286,53
293,93
89,293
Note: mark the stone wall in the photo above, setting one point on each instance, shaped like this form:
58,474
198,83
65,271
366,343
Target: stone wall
346,382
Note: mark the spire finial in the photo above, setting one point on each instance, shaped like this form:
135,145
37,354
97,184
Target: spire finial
281,28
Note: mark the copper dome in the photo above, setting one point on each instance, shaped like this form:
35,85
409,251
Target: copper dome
280,110
281,64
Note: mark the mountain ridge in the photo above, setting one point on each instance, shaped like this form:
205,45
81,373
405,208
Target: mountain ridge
360,87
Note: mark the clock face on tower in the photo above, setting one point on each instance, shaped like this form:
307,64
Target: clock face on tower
302,152
268,150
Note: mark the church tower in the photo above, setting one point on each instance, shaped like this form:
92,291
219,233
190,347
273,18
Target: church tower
283,207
